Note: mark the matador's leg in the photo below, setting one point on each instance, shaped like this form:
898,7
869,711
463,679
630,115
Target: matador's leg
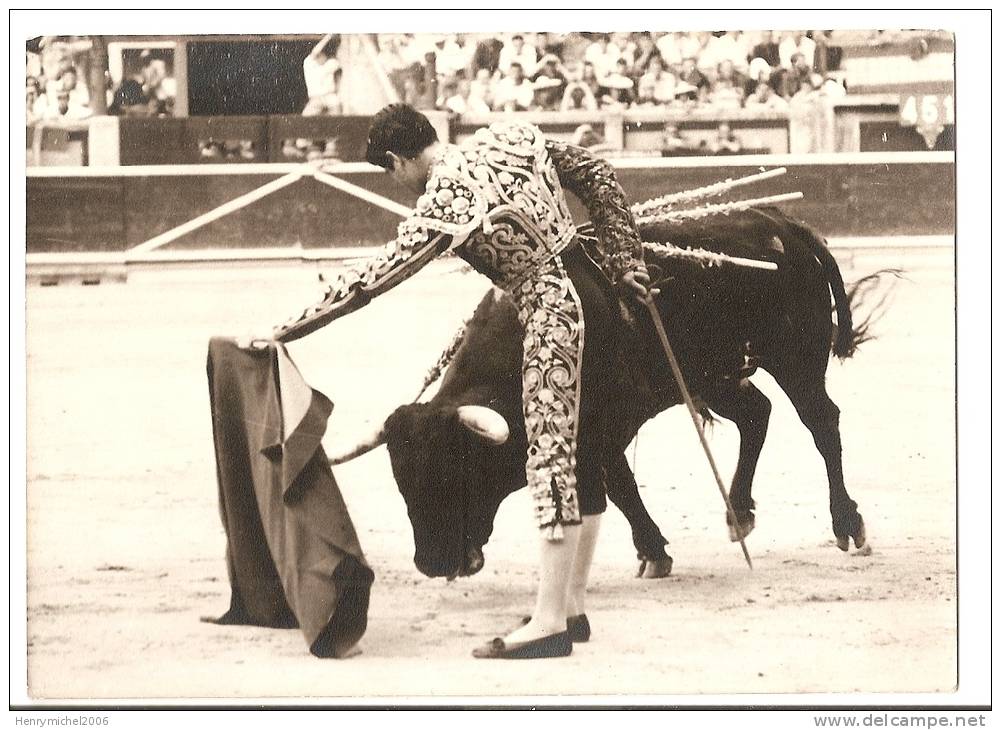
553,319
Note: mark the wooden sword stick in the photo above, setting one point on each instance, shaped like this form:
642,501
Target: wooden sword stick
680,380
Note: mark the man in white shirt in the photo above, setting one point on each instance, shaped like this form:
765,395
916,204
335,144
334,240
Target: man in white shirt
603,55
793,43
514,92
517,51
322,74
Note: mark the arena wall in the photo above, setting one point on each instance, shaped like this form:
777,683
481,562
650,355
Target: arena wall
115,209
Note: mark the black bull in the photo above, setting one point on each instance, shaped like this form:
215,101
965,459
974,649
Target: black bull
723,321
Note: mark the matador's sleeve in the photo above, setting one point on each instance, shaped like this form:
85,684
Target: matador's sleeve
445,215
593,181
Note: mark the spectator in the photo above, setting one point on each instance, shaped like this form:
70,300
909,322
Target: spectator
692,77
451,98
656,86
69,81
724,95
129,100
726,71
767,49
65,109
758,72
487,55
35,100
322,74
602,54
796,42
727,47
589,77
832,88
550,83
578,97
671,142
793,78
452,55
726,142
669,47
585,136
627,48
579,94
554,43
646,51
514,92
481,92
617,88
517,51
764,97
158,83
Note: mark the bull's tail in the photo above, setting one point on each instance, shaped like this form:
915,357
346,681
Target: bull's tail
848,334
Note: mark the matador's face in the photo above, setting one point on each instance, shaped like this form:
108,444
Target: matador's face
412,174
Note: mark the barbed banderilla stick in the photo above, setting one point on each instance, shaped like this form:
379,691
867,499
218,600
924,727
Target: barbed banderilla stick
680,380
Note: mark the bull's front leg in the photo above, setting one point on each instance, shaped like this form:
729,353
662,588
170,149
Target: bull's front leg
624,494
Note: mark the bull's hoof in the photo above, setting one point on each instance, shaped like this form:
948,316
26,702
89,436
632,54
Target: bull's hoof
744,526
855,531
660,568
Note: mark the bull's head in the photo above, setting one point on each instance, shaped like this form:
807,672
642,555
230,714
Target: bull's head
453,466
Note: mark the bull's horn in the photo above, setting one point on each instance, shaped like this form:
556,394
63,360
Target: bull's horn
485,422
362,447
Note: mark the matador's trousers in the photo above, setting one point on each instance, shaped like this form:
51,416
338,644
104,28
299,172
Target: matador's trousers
567,311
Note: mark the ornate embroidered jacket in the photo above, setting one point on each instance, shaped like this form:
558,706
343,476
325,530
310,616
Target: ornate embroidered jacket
497,200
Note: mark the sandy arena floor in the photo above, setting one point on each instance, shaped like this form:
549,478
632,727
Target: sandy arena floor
126,550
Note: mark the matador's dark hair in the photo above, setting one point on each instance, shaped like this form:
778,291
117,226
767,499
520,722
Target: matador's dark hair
400,129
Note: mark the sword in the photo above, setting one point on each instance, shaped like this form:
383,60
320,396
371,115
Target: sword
680,380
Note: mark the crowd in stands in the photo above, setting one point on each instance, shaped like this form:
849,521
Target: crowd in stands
57,70
475,73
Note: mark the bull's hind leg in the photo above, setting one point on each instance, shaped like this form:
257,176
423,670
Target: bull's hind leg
624,493
750,409
821,415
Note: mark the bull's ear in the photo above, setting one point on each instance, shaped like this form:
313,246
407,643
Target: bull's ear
485,423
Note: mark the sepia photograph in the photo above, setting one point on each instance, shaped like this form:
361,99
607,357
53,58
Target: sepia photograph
659,406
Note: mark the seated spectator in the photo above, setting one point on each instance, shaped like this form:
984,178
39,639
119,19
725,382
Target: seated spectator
764,97
552,43
585,136
656,86
129,100
481,92
69,81
646,51
669,48
758,72
693,78
728,47
725,142
671,141
578,97
65,109
793,78
450,97
589,77
322,74
767,49
451,55
831,87
726,70
627,48
550,83
158,83
487,55
35,101
602,54
514,92
517,51
796,42
617,89
724,95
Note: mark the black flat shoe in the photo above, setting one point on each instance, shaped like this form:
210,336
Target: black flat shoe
578,627
554,645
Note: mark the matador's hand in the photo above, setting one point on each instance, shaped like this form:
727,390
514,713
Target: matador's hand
637,284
